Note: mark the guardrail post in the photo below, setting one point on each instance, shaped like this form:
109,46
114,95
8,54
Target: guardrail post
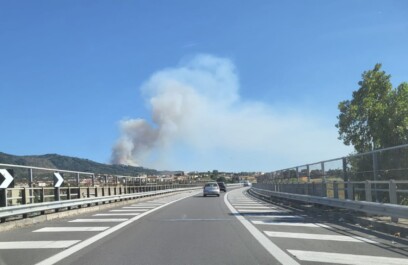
368,195
335,190
69,193
24,196
30,183
393,197
3,197
57,194
42,197
345,175
297,174
350,190
308,173
323,192
375,175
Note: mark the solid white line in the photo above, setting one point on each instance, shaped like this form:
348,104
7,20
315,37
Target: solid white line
338,258
273,249
72,229
65,253
99,220
114,214
37,244
290,224
319,237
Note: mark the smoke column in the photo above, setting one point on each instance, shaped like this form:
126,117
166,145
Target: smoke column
199,120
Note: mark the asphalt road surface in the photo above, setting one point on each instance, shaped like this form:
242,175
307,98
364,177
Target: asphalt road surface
187,228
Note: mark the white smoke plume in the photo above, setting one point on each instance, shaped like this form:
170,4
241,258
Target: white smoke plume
199,122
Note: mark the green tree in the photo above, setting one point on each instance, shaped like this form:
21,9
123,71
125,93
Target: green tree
377,115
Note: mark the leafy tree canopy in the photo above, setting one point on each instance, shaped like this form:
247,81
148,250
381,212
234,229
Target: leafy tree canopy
377,115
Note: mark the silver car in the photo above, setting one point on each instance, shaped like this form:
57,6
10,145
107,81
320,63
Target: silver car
211,188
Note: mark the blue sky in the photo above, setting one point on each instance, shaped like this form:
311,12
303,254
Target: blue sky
73,72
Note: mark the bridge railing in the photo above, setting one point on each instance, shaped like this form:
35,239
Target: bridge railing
380,176
22,186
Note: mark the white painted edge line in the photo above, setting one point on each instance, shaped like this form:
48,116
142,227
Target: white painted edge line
65,253
72,229
273,249
37,244
338,258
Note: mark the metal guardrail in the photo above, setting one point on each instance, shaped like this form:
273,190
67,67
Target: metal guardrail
379,176
384,209
24,210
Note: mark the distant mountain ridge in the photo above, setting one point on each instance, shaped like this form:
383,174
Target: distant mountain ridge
75,164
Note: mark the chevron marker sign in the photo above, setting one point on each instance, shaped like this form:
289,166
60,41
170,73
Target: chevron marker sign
58,179
7,179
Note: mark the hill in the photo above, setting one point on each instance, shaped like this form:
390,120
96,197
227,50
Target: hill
74,164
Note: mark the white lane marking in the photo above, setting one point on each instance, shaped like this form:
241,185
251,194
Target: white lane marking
146,205
274,217
99,220
319,237
37,244
67,252
129,210
273,249
327,257
139,207
114,214
252,207
72,229
258,211
290,224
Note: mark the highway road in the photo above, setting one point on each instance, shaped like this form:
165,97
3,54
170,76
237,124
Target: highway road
187,228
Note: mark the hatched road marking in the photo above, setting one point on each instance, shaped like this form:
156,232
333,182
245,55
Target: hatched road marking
98,220
338,258
37,244
72,229
115,214
290,224
318,237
